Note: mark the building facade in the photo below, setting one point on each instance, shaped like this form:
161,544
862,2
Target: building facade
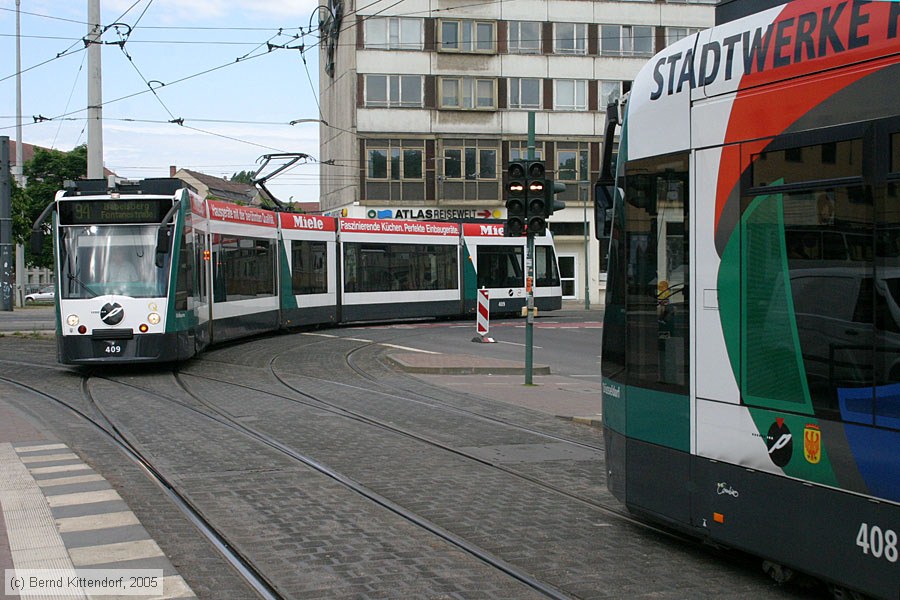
424,103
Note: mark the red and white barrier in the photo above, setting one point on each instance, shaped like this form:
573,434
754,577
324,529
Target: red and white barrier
483,318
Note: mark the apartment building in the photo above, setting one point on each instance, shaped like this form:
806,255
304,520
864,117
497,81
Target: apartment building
424,102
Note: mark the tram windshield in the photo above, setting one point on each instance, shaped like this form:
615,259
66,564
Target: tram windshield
104,259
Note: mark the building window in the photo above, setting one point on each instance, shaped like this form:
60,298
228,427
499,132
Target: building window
394,33
394,91
570,94
524,37
570,38
572,162
608,90
524,93
394,163
467,36
468,93
470,162
626,40
673,34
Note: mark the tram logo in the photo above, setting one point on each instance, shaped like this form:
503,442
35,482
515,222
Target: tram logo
780,443
723,488
812,443
112,313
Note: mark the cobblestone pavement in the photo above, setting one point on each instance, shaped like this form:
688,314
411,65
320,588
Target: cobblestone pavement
526,487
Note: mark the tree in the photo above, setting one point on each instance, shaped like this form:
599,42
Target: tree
243,177
46,173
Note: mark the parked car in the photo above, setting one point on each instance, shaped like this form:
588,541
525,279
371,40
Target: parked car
45,294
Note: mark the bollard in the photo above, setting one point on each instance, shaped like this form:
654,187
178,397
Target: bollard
483,318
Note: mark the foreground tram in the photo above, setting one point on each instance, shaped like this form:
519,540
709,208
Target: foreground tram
751,346
148,271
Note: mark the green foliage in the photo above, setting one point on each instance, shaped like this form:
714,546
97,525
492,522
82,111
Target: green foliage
243,177
45,174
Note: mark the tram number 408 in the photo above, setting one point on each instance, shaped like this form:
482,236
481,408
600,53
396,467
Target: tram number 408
881,543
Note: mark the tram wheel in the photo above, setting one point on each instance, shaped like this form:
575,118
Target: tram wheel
779,573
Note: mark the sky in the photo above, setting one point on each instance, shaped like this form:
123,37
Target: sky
204,61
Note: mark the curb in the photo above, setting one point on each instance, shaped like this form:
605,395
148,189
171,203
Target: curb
592,421
461,364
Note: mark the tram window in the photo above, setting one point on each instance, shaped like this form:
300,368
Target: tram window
656,253
184,284
821,320
500,267
309,267
795,165
111,259
400,267
887,303
245,268
545,271
202,261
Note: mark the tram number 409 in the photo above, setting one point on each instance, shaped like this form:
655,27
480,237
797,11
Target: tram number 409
113,349
877,541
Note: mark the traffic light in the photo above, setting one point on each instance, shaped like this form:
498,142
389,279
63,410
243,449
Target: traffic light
515,199
536,197
552,204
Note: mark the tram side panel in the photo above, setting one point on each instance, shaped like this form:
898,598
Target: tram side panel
772,472
796,434
243,257
398,269
308,270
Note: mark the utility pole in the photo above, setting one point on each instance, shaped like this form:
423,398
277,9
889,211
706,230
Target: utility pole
5,228
95,94
19,172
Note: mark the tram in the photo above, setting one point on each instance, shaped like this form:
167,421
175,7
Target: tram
148,271
751,345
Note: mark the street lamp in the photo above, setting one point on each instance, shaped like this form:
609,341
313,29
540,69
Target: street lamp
298,121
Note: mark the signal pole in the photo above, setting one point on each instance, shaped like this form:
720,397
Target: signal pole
529,277
529,201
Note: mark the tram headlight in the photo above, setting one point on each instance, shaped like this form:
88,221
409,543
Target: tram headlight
73,320
153,318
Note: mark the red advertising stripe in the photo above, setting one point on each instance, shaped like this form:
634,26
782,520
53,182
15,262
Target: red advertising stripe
389,226
307,222
247,215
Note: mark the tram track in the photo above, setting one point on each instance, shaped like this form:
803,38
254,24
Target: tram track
106,427
220,417
244,565
209,406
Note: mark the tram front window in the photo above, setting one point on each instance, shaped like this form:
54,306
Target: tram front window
120,260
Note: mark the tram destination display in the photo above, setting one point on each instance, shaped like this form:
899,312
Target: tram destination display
113,211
